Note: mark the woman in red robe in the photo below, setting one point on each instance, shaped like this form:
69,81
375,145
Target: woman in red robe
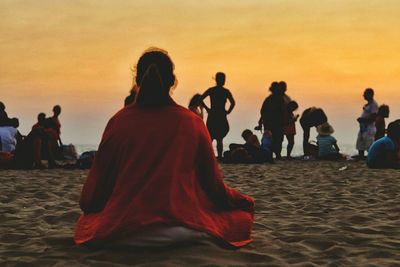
156,169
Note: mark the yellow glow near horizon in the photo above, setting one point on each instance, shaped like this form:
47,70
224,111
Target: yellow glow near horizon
79,54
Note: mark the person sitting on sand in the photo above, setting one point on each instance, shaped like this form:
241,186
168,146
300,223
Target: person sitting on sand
384,153
195,105
366,134
217,122
327,144
311,117
9,136
159,183
290,128
249,152
266,146
380,124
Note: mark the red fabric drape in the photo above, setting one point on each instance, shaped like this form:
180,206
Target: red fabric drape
157,167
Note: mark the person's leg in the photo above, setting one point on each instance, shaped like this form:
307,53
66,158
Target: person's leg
220,147
306,138
37,155
280,137
290,139
51,147
361,154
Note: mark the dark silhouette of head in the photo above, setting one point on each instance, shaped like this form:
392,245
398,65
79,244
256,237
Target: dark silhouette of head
57,110
369,94
195,101
2,106
14,122
282,87
155,77
384,111
393,130
41,118
292,106
274,88
220,78
246,134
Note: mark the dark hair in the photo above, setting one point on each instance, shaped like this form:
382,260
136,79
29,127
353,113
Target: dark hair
57,109
369,92
246,133
220,78
41,116
282,86
155,77
2,106
195,100
14,122
393,130
292,106
274,88
384,111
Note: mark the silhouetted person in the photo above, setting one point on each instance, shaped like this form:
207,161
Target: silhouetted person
195,105
132,96
380,124
4,119
41,121
57,125
273,115
217,122
311,117
366,134
384,153
10,136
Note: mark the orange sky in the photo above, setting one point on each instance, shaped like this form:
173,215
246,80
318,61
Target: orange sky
78,54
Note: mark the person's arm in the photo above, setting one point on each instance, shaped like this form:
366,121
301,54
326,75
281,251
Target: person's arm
232,103
100,181
206,94
210,178
336,147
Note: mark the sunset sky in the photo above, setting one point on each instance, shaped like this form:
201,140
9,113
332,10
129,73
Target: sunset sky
79,54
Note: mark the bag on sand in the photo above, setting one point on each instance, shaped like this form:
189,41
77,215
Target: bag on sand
69,152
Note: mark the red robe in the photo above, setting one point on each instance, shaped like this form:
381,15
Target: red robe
157,167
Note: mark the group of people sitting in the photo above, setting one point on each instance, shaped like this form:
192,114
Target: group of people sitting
26,152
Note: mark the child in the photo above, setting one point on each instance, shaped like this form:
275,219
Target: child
195,105
383,112
384,152
290,128
327,144
266,145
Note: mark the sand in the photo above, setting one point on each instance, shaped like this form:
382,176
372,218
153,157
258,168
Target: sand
308,214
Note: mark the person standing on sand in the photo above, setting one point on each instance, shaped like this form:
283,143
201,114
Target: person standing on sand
311,117
366,134
155,184
217,122
272,115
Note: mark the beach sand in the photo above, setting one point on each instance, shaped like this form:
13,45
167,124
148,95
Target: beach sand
307,214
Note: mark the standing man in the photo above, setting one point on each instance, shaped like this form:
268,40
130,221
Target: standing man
366,134
217,122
